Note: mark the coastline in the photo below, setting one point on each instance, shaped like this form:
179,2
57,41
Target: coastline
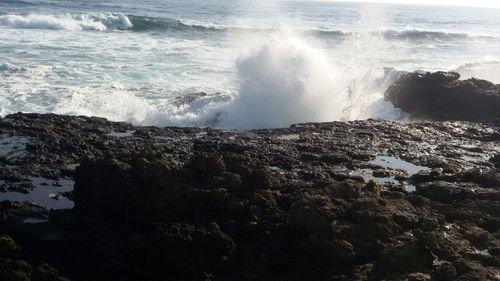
360,200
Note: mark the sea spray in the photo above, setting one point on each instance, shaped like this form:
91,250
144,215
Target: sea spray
287,80
487,68
283,82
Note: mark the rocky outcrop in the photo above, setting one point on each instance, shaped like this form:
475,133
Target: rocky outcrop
364,200
442,96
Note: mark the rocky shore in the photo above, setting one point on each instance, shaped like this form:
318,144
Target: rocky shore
88,199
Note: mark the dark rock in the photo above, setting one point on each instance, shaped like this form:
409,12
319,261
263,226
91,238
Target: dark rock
12,212
381,174
441,96
483,177
411,257
8,248
496,160
442,191
206,204
335,158
444,272
14,270
347,189
45,272
313,213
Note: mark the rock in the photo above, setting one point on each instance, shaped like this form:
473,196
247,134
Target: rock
8,248
347,189
211,164
335,158
14,212
381,174
484,177
478,237
45,272
442,191
313,213
13,270
208,204
104,187
418,277
444,272
441,96
496,160
411,257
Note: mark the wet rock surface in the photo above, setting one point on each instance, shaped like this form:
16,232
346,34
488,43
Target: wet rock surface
442,96
364,200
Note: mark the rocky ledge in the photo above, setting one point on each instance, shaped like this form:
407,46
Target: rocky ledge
89,199
442,96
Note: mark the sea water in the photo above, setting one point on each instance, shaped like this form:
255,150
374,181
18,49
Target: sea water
231,64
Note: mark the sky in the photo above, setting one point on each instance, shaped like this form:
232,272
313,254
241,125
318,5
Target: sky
474,3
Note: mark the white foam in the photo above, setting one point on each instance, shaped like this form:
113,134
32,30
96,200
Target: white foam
100,22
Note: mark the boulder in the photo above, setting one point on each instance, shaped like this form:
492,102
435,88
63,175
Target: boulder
442,96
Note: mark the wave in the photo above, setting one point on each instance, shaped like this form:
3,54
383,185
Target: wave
424,34
98,22
142,24
134,23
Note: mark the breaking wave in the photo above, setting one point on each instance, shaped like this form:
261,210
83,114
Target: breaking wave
99,22
117,21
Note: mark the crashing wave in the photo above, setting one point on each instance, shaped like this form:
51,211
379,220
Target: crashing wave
99,22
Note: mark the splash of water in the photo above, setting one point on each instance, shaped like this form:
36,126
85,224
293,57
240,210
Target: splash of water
283,82
286,80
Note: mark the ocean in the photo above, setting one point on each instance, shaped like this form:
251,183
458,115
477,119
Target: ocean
231,64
